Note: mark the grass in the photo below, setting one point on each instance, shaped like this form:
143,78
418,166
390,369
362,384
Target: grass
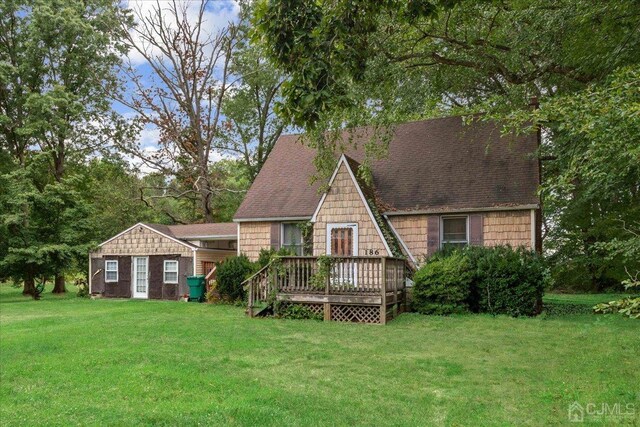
582,299
69,361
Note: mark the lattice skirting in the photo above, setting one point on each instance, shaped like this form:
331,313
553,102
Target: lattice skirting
356,313
351,313
316,308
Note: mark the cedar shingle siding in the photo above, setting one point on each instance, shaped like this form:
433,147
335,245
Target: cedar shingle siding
343,204
97,275
485,228
142,241
253,237
507,228
191,245
121,288
210,256
412,229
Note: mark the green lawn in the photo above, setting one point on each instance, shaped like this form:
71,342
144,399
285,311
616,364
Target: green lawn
582,299
68,361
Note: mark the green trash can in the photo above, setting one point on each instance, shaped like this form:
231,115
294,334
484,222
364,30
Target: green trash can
196,288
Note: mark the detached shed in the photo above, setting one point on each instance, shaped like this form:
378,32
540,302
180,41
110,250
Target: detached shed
152,261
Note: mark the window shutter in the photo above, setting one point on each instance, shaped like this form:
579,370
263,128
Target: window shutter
275,235
433,234
475,230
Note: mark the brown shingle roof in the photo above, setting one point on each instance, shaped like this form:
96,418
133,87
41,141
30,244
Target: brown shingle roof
437,164
210,230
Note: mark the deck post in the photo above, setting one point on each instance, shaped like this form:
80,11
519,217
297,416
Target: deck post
250,305
383,300
405,275
327,306
395,289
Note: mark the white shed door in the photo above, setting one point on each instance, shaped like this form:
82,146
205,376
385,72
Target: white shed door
140,277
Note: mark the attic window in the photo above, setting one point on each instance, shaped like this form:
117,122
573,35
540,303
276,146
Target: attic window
111,271
454,231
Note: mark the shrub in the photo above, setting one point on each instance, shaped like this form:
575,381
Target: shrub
496,280
507,281
443,284
212,295
230,275
267,255
565,309
627,306
296,311
83,288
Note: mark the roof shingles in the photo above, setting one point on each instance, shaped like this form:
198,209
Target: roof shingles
437,164
194,231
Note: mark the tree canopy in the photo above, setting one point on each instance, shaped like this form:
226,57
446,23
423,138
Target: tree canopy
378,63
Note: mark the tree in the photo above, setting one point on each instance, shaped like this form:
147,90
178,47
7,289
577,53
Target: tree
46,225
57,61
230,175
253,127
457,53
113,188
593,198
365,62
184,95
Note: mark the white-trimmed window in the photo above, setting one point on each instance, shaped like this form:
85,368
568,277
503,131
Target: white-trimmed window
170,271
455,231
292,238
111,270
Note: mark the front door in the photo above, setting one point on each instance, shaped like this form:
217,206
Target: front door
342,241
140,277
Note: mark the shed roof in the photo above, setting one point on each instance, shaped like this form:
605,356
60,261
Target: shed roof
198,231
437,164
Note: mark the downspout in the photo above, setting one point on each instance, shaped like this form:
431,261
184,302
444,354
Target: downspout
194,261
238,241
536,226
534,229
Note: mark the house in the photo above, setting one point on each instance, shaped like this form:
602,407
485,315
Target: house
442,183
152,261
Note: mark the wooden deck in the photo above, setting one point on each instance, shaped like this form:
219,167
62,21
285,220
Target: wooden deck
352,289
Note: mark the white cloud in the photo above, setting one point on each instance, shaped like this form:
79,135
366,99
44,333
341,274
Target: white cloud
148,137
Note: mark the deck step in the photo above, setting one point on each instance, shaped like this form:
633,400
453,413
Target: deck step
266,311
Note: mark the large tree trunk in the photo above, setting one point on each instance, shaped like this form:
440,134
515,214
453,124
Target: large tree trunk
58,285
205,190
205,206
58,162
29,286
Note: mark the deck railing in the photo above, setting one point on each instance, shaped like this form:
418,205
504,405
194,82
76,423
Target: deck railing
211,276
380,279
337,276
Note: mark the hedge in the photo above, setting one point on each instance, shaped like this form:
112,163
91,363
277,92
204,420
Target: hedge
496,280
